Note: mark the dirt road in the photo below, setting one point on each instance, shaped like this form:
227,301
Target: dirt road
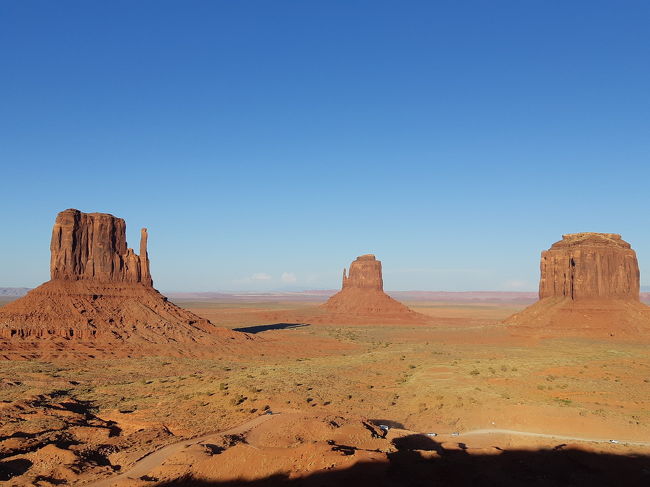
552,436
154,459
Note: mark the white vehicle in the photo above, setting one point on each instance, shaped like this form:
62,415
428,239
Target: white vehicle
614,441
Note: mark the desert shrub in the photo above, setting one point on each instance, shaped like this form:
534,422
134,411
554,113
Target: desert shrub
236,401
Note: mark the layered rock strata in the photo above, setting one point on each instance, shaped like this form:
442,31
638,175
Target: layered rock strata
589,285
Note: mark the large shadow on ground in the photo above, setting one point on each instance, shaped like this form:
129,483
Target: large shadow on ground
421,461
274,326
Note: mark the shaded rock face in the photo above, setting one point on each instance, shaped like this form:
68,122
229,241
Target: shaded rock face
93,246
365,273
589,266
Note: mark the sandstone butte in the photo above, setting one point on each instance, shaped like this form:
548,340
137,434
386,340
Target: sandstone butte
589,286
362,294
100,294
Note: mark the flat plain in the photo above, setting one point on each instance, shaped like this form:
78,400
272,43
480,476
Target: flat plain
462,376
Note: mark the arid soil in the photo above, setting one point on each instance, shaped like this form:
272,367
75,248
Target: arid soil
78,421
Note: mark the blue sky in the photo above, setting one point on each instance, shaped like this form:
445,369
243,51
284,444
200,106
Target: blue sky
256,139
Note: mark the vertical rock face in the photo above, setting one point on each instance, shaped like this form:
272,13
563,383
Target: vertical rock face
589,266
93,246
365,273
145,274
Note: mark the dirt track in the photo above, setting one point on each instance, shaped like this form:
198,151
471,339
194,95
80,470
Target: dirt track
152,460
553,436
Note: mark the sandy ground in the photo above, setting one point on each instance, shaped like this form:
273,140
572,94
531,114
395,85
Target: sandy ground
555,402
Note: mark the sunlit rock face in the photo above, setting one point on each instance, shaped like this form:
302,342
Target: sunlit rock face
365,273
589,266
93,246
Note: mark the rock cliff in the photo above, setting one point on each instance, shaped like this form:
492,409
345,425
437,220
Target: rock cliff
93,246
588,266
365,273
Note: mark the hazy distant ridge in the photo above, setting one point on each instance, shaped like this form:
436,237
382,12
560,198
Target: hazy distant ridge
14,291
322,295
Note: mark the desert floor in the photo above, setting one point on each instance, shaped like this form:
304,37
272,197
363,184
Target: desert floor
462,376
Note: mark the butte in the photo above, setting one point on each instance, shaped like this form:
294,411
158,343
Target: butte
362,296
100,300
589,287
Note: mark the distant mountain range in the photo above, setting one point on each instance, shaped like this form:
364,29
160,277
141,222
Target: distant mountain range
321,295
494,297
14,291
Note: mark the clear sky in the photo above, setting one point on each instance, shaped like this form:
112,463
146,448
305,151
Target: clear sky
266,144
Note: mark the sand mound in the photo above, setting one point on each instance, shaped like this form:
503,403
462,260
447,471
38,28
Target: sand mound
556,317
104,311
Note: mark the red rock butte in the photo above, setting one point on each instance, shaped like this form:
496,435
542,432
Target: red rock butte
589,285
100,293
93,246
362,293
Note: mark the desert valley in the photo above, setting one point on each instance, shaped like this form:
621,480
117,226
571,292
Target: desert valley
108,382
324,243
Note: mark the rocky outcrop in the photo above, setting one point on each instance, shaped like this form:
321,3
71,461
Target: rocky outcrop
589,286
365,273
362,295
588,266
101,292
93,246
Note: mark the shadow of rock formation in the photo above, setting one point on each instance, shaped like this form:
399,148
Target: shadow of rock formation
421,461
275,326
